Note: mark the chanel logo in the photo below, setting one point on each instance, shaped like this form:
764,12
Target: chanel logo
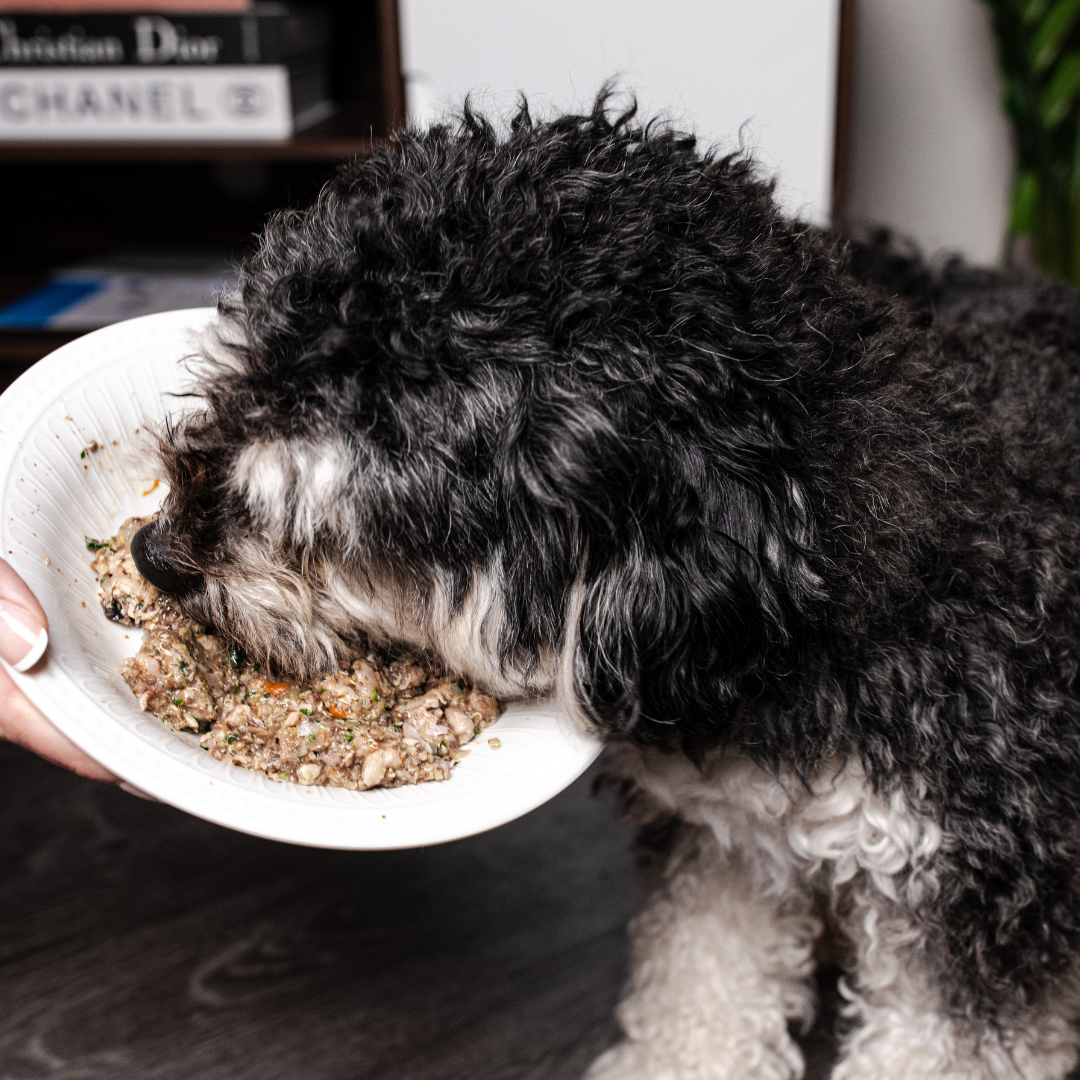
245,99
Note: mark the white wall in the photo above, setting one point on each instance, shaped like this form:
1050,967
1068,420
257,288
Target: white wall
931,150
710,64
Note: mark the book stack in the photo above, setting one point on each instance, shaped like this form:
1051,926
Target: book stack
260,74
122,285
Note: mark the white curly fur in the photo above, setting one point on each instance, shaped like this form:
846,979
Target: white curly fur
722,952
719,970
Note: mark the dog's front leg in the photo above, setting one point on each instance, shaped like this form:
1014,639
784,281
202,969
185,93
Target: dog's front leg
720,965
904,1030
913,1008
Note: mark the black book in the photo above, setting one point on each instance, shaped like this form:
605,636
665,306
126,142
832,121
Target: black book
267,33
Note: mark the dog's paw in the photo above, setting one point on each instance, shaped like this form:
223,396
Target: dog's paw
636,1061
906,1044
618,1063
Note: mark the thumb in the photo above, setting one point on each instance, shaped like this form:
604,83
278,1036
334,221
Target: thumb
24,629
24,633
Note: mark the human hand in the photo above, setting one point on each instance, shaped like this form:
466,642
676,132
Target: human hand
24,634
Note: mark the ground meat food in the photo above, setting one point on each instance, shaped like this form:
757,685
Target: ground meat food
382,722
126,595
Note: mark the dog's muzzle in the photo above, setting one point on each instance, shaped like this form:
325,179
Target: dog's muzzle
152,561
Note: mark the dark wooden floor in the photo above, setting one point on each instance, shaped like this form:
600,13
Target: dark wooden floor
138,942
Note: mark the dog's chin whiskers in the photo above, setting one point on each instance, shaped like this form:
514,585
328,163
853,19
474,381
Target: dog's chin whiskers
270,611
466,638
363,601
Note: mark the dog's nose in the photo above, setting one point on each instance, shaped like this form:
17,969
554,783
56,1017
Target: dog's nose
152,561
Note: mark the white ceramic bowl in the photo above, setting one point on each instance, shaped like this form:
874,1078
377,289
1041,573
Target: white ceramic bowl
105,388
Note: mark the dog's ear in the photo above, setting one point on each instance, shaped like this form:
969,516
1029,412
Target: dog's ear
707,579
666,635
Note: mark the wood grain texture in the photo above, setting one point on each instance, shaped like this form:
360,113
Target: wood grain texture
20,349
393,80
333,142
845,83
139,942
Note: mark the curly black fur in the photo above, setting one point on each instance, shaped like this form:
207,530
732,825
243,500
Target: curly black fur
819,501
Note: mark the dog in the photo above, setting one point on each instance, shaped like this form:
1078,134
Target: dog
793,523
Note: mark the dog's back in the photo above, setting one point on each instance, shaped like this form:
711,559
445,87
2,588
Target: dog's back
990,306
1018,335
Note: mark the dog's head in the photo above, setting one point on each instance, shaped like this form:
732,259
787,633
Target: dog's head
528,400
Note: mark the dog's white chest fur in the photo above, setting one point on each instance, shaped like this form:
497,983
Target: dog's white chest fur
723,948
838,826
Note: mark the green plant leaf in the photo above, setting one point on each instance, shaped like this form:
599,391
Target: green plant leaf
1033,11
1052,31
1061,93
1025,203
1017,104
1074,208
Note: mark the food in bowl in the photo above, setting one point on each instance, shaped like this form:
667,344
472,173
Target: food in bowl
381,722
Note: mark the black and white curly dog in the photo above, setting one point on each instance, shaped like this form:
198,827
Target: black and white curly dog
794,524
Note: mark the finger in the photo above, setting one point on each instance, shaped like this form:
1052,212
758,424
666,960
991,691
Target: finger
24,636
24,629
22,723
138,792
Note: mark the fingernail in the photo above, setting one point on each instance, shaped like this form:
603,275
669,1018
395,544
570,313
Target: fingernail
38,640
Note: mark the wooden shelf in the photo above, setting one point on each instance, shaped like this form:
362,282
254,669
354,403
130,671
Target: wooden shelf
69,202
306,147
370,94
21,348
349,134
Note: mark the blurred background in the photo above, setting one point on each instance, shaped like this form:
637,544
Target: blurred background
141,147
120,197
883,111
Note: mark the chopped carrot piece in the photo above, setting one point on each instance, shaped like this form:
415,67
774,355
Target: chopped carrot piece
337,711
276,688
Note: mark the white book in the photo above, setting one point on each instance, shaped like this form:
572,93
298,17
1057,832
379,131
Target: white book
260,102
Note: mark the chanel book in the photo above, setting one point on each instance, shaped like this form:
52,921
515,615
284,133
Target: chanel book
218,103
